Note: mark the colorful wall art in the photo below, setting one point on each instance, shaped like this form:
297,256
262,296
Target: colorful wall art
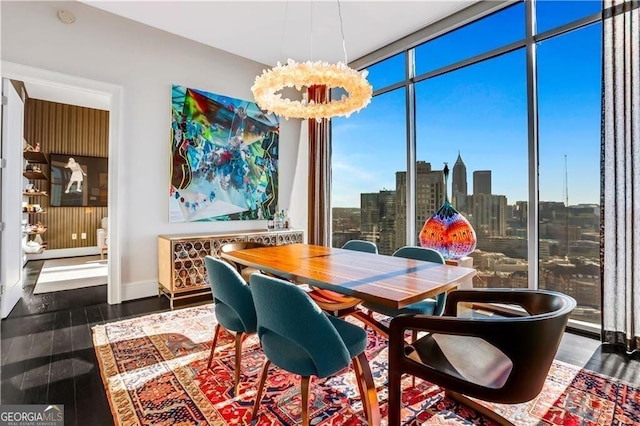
224,158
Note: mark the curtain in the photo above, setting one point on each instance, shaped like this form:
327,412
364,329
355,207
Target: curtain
319,208
620,187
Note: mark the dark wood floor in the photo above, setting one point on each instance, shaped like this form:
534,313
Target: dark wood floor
47,353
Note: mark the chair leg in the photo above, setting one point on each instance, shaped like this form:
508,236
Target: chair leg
236,372
395,397
304,392
263,379
367,389
213,345
414,337
477,407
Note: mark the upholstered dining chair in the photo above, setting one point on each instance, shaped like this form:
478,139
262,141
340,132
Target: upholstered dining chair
360,245
424,307
337,303
234,308
245,271
297,336
497,359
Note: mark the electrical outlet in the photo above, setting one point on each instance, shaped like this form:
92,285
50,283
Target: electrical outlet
83,235
74,236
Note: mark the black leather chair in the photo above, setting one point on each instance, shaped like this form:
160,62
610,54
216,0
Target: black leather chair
497,359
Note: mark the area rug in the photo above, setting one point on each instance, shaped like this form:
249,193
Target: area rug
154,371
71,273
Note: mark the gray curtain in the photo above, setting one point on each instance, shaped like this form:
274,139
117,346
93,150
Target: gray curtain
620,189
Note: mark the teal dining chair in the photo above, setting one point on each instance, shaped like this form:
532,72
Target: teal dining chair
360,245
335,303
234,308
298,337
424,307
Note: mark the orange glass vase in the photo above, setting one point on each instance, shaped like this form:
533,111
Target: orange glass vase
447,231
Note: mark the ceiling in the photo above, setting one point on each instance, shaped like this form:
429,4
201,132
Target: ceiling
271,31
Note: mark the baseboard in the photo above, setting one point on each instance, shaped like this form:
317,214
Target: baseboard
139,290
69,252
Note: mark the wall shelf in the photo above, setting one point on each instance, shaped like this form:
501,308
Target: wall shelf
35,157
35,175
38,232
34,234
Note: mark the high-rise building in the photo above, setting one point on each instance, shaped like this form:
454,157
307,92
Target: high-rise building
429,197
377,219
387,218
369,216
459,184
482,182
487,214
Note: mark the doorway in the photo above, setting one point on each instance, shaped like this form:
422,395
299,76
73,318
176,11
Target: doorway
112,95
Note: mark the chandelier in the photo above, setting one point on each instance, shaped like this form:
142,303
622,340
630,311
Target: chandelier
306,74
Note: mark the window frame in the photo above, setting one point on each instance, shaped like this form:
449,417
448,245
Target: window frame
453,22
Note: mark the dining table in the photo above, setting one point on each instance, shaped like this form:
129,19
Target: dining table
391,281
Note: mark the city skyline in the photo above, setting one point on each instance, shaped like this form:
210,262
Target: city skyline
481,111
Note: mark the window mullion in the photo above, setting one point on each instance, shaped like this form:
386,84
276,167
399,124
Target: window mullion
532,126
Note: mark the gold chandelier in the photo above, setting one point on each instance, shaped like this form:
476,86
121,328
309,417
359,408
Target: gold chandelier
306,74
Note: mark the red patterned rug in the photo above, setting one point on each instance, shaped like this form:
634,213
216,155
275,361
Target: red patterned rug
154,371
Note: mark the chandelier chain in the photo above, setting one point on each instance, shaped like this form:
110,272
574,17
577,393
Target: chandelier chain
311,27
284,27
344,44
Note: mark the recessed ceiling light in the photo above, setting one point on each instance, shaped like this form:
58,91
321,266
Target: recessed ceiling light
66,16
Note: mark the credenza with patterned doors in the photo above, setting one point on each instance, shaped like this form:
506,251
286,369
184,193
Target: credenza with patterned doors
181,269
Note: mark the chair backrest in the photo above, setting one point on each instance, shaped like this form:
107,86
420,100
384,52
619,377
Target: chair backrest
428,255
232,297
530,342
419,253
360,245
294,332
104,223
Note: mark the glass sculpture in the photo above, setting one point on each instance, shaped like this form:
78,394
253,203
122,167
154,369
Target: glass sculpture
447,231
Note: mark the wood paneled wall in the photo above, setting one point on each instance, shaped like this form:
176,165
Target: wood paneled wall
73,130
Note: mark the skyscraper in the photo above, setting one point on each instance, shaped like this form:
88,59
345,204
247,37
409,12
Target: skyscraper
459,184
429,197
377,219
482,182
487,214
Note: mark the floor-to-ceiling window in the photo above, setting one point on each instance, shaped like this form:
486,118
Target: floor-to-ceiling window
569,74
369,165
513,109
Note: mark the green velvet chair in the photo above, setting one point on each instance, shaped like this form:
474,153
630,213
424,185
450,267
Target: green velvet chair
234,308
297,336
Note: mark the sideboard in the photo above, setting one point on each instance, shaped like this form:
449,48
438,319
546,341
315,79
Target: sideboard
181,269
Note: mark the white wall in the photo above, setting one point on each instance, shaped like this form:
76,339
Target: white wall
145,62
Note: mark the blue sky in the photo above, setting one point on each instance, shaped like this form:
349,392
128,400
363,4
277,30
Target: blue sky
481,111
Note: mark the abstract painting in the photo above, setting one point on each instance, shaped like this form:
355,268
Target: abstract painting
224,158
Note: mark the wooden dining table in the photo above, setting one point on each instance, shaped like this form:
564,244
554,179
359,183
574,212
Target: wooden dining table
391,281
